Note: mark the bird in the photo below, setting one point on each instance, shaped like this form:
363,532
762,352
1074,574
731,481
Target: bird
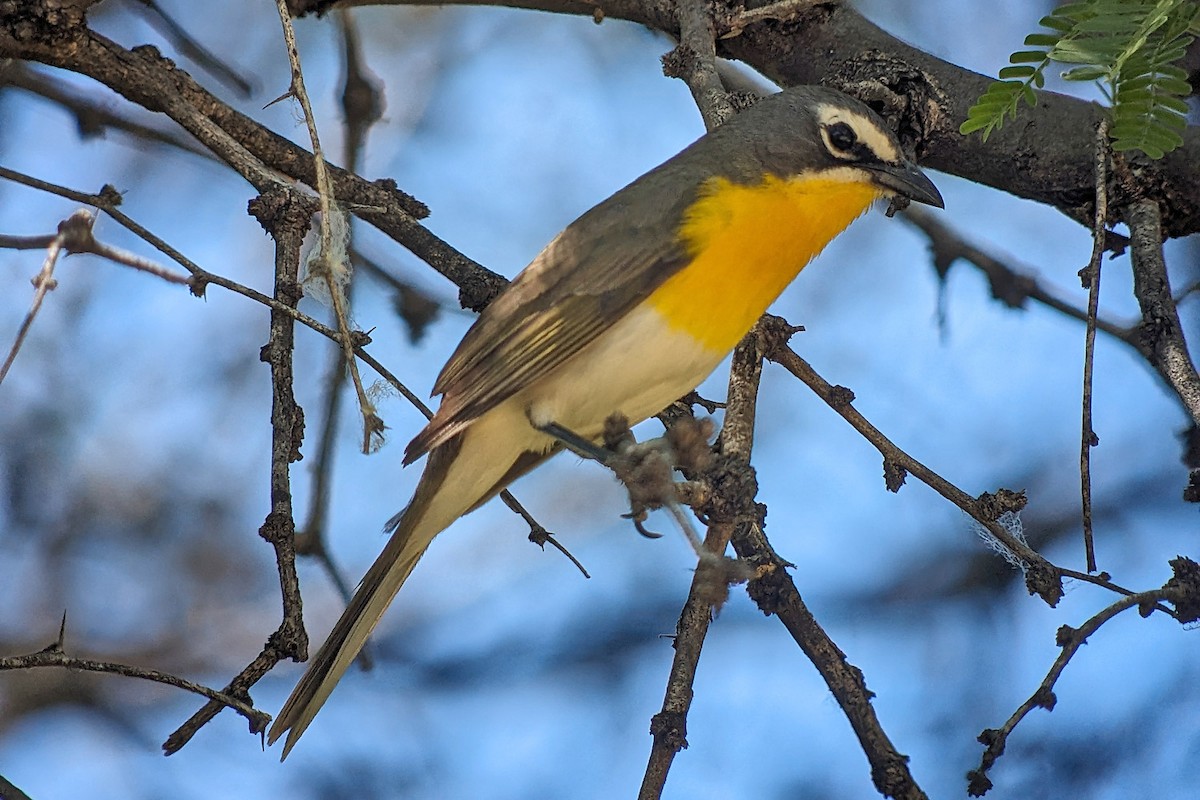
626,310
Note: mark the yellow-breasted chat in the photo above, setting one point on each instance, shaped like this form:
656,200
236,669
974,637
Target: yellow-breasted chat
629,308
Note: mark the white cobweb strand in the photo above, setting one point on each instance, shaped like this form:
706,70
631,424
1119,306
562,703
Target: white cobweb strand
323,269
1011,522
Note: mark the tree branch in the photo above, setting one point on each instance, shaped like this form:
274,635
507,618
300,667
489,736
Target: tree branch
54,657
725,511
1182,591
286,216
1160,332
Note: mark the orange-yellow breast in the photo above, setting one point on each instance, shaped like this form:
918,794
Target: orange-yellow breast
747,244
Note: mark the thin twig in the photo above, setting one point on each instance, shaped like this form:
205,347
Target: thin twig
75,235
244,144
43,283
311,538
1070,640
108,201
1187,291
416,307
8,242
92,117
775,593
1091,279
286,216
362,99
538,533
80,239
1007,284
190,47
1041,577
55,656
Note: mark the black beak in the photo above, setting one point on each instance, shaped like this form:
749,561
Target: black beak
907,179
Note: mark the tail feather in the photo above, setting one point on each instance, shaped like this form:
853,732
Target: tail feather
430,511
348,636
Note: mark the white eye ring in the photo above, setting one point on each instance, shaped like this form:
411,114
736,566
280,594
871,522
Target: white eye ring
840,137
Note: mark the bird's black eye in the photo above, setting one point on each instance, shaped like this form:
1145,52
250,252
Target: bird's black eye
841,137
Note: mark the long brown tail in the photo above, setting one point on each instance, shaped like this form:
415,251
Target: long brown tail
430,511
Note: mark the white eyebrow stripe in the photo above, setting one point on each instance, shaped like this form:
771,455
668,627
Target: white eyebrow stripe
866,129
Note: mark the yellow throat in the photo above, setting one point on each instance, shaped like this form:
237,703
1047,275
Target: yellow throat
747,244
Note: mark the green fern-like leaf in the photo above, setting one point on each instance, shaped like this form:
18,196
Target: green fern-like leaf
1003,97
1148,110
1130,47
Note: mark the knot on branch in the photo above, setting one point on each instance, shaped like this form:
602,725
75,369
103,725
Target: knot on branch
978,783
1044,580
478,288
1045,698
891,775
290,640
1067,636
43,23
733,485
1155,327
1004,501
1191,493
283,212
412,205
75,232
669,729
894,475
198,284
110,195
1183,589
775,334
770,587
277,527
680,62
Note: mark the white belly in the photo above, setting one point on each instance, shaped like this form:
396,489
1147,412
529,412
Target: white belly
637,367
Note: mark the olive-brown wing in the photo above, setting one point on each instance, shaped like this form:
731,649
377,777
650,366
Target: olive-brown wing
601,266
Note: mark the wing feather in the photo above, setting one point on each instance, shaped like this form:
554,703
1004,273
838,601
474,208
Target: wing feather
595,271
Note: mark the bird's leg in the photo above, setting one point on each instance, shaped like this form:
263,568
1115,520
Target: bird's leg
577,444
612,454
646,468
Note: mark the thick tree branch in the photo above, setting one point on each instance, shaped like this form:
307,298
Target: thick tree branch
1161,332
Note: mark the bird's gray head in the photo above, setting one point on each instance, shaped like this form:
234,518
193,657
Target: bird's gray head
815,130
